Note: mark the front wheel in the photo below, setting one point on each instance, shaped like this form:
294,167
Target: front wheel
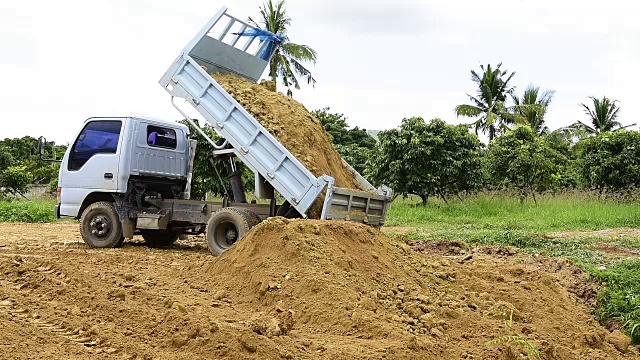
100,226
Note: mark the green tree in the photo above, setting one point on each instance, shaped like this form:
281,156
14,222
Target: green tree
488,106
611,160
15,179
427,159
603,116
24,152
522,160
287,61
6,159
532,107
355,145
336,125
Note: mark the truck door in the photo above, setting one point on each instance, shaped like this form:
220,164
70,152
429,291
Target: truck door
94,157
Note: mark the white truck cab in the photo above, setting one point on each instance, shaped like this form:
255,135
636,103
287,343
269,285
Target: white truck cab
109,152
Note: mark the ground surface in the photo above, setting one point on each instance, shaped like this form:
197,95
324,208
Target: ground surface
291,289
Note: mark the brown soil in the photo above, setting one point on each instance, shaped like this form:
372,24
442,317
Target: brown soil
611,249
607,233
292,124
288,290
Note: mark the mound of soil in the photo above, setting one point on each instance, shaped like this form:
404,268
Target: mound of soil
288,290
342,279
292,124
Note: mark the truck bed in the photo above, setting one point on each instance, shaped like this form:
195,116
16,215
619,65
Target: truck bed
216,49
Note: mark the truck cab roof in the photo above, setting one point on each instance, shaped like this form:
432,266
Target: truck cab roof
162,122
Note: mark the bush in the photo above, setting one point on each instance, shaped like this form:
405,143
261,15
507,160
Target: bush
16,179
523,161
26,211
611,160
428,159
53,186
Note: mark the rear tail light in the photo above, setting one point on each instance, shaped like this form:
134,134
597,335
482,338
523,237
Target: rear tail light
59,194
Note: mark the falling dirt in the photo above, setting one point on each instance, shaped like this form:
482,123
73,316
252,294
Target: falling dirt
292,124
291,289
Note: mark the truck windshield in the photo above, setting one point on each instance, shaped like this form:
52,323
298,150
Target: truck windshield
97,137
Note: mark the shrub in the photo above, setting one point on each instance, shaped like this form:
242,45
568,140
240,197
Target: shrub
26,211
611,160
523,161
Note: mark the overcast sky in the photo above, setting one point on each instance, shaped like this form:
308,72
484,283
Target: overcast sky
379,61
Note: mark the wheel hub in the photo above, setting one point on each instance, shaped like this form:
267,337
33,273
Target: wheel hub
100,226
231,235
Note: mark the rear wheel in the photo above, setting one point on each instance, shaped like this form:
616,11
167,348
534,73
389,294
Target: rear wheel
100,226
159,238
255,219
226,226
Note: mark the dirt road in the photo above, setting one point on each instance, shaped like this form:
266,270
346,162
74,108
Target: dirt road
290,290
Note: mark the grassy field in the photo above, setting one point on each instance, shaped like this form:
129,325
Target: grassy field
562,225
37,211
500,212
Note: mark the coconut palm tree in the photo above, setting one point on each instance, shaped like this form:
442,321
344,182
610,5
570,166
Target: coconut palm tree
488,105
532,107
603,116
287,61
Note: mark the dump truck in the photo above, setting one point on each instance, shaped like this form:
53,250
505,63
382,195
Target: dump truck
131,175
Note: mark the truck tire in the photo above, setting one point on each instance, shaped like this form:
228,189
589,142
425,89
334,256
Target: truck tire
159,238
225,227
100,226
255,219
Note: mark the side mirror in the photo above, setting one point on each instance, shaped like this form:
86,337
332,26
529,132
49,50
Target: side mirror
41,144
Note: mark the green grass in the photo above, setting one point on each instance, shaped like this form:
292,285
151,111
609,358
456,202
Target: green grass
37,211
503,212
486,219
620,301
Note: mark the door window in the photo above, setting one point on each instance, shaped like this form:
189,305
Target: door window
161,137
97,137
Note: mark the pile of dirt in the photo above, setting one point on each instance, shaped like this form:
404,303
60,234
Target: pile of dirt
292,124
291,289
342,279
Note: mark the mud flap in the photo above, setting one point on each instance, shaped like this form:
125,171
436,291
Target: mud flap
128,227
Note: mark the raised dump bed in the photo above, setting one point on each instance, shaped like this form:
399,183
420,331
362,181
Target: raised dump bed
219,47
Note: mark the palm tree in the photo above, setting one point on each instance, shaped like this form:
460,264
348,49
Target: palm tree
286,62
532,107
488,105
603,116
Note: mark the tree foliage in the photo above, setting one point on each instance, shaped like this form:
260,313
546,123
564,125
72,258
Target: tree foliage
603,116
532,107
521,160
15,180
488,106
287,61
355,145
611,160
20,164
427,159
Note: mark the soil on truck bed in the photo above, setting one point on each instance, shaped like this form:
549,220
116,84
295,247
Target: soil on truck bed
290,289
294,127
